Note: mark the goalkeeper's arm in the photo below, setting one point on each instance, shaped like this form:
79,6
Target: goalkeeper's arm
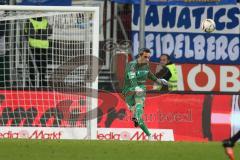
155,79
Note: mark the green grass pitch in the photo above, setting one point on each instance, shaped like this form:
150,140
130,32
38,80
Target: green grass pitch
110,150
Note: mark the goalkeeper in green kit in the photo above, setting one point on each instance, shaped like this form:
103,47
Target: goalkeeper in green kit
134,90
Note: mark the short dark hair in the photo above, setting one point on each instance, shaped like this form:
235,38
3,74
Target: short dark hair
142,50
168,57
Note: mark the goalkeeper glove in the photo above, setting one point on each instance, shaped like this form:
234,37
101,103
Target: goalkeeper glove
162,82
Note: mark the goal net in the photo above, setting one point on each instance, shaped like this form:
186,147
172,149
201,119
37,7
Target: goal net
48,72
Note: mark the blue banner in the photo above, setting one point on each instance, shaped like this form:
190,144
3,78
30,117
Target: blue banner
47,2
180,2
176,31
3,2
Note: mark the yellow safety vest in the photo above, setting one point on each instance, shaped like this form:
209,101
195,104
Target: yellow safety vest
34,41
174,78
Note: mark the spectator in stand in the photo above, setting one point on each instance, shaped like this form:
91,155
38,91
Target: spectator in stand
166,70
37,30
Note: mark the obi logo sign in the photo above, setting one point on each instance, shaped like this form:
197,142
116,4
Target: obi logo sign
209,78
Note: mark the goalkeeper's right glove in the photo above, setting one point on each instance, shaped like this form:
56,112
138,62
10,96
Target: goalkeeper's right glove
162,82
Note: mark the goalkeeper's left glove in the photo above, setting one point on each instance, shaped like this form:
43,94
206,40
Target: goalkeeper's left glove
162,82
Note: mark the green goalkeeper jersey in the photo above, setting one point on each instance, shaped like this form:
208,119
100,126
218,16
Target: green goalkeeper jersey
136,75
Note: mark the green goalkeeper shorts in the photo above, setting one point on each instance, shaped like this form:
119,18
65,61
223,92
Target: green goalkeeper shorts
133,99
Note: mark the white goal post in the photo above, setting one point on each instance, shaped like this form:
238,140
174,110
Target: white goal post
49,72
